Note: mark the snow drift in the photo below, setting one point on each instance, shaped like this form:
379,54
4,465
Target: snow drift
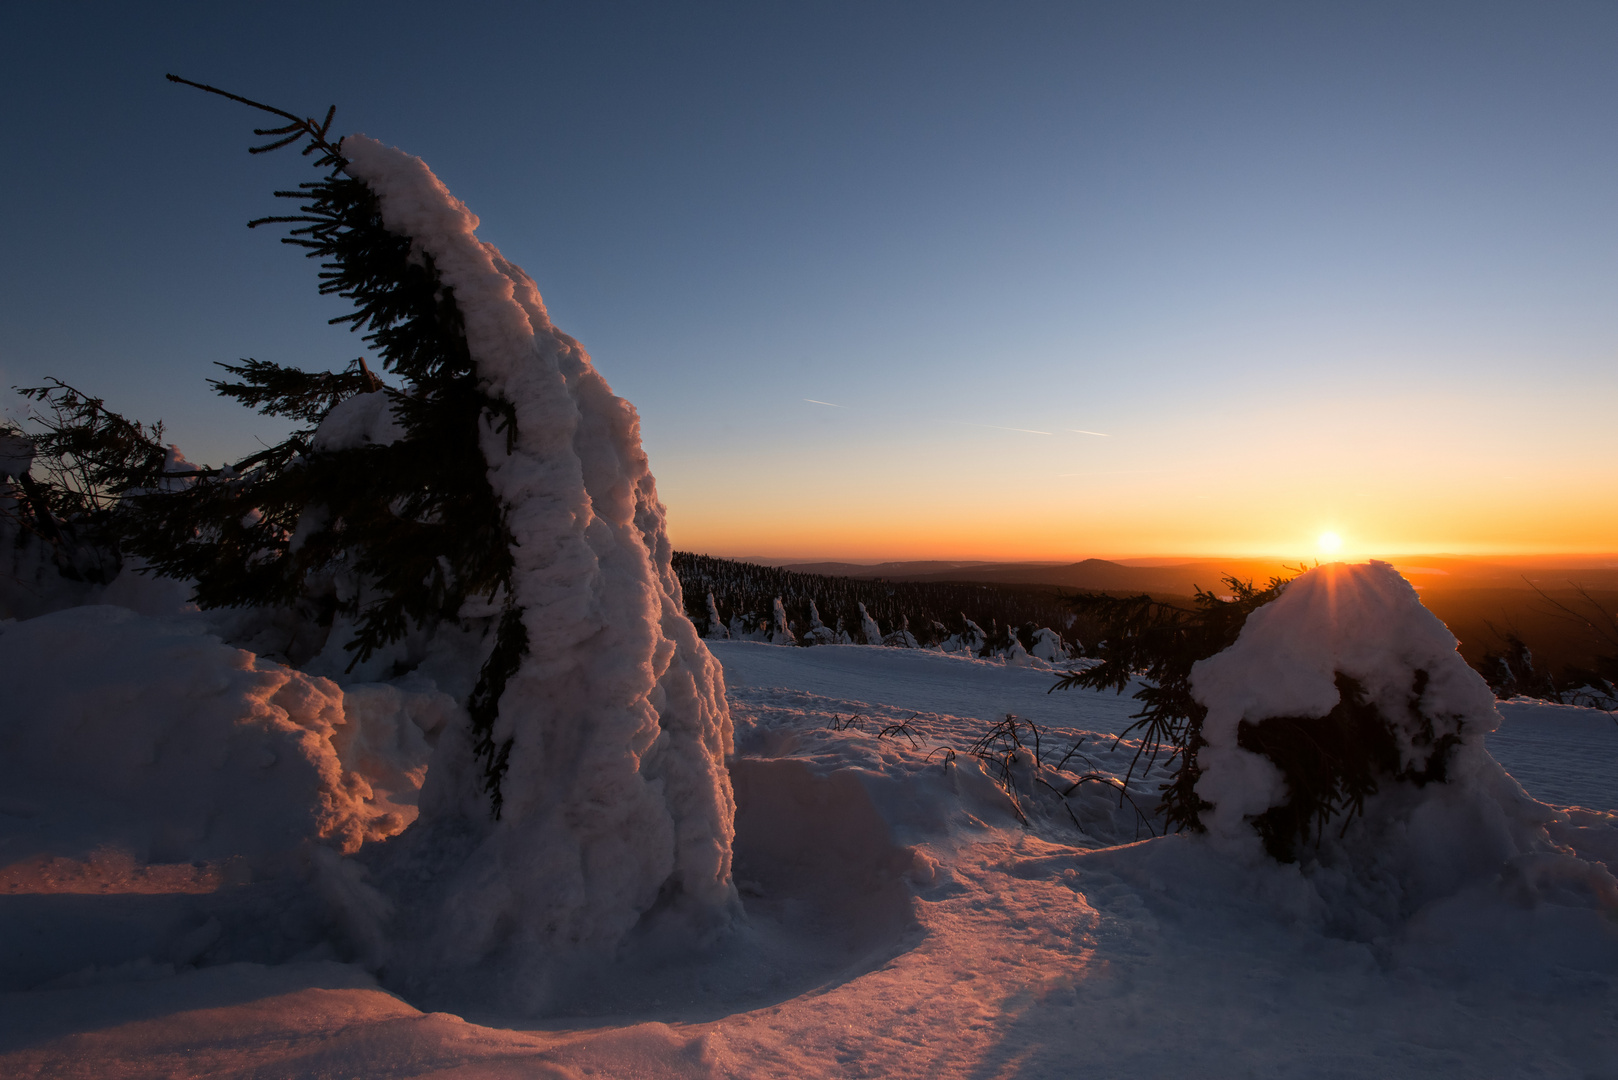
154,735
616,798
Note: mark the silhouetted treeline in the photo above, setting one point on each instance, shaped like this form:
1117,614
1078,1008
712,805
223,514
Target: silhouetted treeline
935,610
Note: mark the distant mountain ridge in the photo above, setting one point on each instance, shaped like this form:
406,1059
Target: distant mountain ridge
1427,572
1086,574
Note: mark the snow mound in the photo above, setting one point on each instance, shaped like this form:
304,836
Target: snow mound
1352,645
157,736
615,798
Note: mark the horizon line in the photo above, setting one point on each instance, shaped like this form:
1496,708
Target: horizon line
1167,559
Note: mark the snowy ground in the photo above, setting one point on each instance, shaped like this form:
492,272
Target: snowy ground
1562,754
903,923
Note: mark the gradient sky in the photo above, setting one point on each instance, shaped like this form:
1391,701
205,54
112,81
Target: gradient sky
1303,266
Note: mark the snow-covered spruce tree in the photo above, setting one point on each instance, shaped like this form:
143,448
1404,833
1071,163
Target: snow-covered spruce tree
868,627
590,785
1328,721
716,625
818,633
1048,645
780,629
1344,731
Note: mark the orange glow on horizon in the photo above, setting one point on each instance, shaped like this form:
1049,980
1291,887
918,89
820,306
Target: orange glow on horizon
899,530
997,503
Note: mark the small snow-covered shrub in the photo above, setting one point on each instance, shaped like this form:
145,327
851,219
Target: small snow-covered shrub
973,640
902,638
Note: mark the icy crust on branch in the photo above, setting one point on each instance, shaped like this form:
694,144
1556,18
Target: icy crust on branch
616,798
1455,819
158,737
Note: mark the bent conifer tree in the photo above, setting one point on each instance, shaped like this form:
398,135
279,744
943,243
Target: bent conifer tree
503,480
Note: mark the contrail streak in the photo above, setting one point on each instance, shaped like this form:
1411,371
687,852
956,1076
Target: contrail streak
1081,431
997,427
833,404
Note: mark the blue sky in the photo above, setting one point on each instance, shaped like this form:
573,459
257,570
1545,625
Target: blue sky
1308,267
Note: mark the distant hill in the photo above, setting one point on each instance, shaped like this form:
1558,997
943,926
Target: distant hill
1426,572
892,571
1089,574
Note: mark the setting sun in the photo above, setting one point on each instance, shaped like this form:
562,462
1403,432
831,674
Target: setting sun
1329,543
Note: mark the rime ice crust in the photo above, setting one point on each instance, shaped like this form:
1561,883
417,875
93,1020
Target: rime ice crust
617,797
1413,844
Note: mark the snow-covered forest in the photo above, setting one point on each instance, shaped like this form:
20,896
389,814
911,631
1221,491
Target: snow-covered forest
410,747
847,611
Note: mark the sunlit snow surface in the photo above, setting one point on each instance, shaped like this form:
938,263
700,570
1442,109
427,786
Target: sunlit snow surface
953,942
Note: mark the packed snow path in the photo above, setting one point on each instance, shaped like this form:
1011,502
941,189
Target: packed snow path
972,947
